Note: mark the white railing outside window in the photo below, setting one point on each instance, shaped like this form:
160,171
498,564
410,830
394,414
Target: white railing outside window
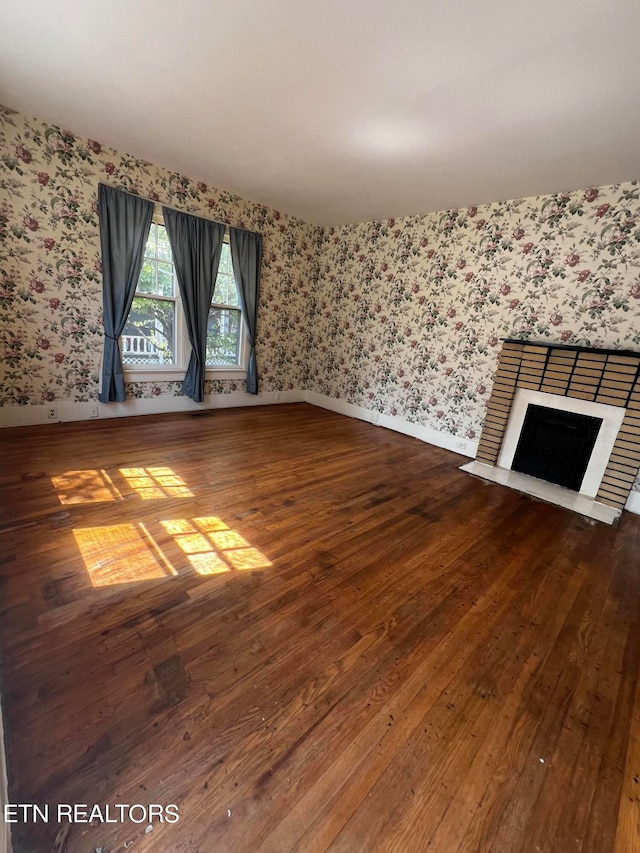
139,347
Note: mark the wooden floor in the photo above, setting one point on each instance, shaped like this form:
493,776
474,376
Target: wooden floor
310,634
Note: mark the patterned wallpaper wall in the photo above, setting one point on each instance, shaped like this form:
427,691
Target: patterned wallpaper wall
403,316
408,314
50,280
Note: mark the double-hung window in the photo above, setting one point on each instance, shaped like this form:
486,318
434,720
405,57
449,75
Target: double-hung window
224,329
155,343
150,335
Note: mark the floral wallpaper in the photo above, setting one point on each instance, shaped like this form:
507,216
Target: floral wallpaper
50,277
401,316
408,314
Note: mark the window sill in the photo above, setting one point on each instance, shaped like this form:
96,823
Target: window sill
176,374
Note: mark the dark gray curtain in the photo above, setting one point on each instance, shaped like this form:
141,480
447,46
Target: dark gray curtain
246,255
124,228
196,245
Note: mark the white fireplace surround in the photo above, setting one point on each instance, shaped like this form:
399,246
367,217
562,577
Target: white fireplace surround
612,417
582,502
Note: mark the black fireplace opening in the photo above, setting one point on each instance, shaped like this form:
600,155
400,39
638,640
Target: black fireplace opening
556,446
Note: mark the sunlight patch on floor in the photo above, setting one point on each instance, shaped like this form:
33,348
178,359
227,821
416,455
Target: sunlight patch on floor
127,553
79,487
212,546
96,486
122,553
156,482
208,563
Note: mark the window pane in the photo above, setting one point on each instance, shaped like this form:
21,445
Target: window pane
225,260
223,337
147,280
164,247
149,335
165,279
157,274
220,290
150,247
226,291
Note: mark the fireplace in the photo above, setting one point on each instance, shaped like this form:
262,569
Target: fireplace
563,424
556,446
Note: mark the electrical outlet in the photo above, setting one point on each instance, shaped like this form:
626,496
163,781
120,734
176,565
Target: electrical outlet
93,412
277,396
461,445
52,413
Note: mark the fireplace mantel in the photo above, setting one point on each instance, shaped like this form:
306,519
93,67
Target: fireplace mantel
630,353
598,377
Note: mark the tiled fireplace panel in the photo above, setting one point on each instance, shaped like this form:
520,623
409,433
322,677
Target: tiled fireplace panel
611,377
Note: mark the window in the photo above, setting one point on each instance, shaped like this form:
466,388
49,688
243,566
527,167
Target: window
155,340
225,316
149,338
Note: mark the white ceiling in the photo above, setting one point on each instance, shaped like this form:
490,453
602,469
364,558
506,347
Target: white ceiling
342,110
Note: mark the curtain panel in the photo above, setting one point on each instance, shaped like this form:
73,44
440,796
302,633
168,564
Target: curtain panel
246,256
196,245
125,221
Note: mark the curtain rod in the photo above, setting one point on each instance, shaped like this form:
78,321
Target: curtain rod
177,209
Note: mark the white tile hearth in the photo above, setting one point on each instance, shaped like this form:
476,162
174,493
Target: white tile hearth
544,491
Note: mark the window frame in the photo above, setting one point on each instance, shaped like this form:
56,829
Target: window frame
176,372
226,306
179,328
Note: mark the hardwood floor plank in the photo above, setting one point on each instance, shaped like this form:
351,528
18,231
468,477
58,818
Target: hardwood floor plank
467,708
384,651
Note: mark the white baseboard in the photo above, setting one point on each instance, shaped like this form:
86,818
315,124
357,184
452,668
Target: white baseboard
463,446
334,404
13,416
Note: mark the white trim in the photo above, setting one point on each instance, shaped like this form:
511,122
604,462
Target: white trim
465,447
612,417
237,373
15,416
176,374
171,373
12,416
